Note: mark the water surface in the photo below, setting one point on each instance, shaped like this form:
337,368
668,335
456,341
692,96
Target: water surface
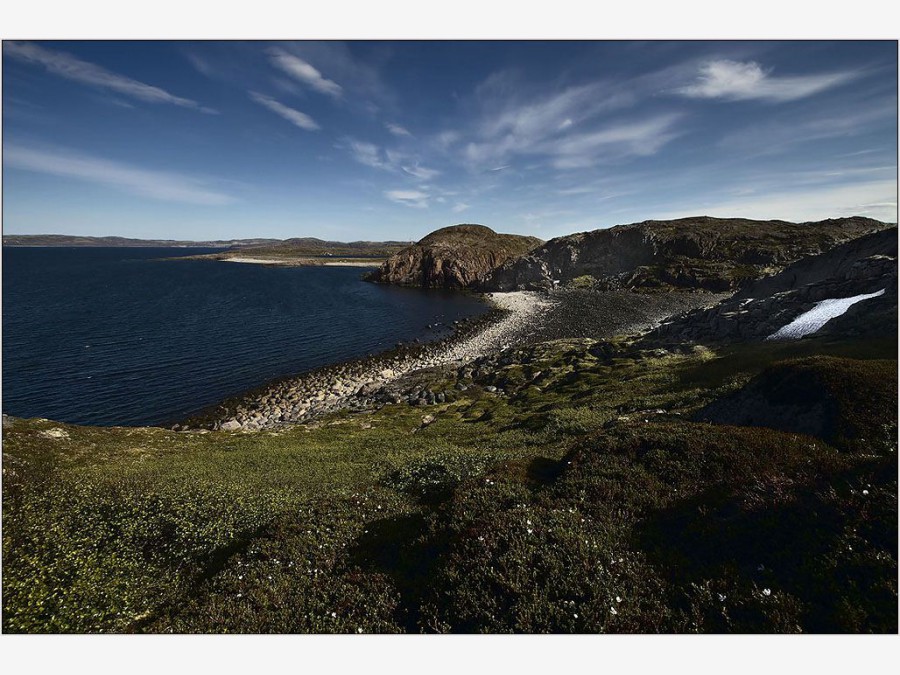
113,336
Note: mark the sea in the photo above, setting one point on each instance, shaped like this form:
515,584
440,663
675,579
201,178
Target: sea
122,337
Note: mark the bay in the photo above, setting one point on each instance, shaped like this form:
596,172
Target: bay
116,336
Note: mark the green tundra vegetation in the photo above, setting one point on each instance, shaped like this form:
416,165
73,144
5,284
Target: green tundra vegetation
588,494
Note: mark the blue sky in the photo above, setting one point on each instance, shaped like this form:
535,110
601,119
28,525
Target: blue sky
390,140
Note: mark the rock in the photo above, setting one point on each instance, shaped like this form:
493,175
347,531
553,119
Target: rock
56,432
452,257
230,425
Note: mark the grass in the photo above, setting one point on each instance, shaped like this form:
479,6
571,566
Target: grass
583,500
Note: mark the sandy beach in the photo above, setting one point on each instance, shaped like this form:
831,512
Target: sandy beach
304,262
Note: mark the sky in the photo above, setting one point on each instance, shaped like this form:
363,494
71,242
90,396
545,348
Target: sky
390,140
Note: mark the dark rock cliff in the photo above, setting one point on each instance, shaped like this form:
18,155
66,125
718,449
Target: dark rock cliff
453,257
714,254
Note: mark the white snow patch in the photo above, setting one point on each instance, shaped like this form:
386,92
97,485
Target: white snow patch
824,311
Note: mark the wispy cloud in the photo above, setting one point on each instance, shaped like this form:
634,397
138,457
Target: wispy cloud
305,73
414,198
368,154
782,135
420,171
625,139
394,161
573,151
460,207
72,68
740,81
160,185
571,127
295,117
397,130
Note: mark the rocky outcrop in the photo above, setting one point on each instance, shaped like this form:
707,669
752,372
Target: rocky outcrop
713,254
459,256
862,266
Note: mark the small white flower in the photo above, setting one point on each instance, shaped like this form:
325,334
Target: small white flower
530,530
767,592
575,615
722,597
359,630
612,610
334,615
865,492
618,599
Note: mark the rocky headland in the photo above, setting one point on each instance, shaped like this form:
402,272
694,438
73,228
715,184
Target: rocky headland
459,256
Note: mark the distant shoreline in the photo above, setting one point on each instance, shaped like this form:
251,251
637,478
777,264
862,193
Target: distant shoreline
305,262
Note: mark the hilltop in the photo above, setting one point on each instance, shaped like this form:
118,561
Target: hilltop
458,256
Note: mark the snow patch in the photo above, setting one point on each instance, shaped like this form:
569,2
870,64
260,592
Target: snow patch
824,311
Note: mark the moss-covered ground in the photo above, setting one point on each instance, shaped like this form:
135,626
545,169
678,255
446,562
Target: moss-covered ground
584,499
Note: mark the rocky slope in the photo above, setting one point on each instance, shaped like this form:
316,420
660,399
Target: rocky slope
861,266
713,254
459,256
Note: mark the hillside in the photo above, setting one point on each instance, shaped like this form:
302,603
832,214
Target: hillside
453,257
714,254
867,265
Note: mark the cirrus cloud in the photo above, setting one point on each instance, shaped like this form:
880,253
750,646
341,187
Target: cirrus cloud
72,68
414,198
293,116
160,185
741,81
305,73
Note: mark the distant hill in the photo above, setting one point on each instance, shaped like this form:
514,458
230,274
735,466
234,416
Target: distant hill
76,240
310,246
458,256
269,248
715,254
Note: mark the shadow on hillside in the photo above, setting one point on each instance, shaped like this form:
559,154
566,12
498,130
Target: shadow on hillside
404,549
823,543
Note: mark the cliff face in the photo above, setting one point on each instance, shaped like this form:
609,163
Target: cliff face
715,254
459,256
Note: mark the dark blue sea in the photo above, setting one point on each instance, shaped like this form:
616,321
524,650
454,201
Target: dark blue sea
115,336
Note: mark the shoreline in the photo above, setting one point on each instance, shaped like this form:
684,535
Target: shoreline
400,375
369,382
284,261
304,262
